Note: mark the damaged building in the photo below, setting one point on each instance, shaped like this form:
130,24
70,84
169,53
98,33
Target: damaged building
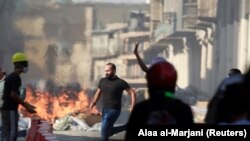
202,39
73,42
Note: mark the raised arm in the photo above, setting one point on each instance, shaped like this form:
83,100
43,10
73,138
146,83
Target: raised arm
132,94
139,60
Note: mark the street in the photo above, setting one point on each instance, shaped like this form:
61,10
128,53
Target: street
82,136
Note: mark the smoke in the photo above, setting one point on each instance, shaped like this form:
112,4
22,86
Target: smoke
11,40
16,29
81,60
58,63
36,3
50,58
50,86
41,85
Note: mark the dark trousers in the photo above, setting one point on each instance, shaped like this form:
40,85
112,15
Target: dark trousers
10,125
109,117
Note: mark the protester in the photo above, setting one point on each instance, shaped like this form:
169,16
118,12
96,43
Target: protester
140,61
232,107
162,108
247,90
234,71
11,98
210,117
111,88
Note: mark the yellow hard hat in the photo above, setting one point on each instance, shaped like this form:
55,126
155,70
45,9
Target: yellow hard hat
19,57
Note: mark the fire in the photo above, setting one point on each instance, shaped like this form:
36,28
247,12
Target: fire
51,105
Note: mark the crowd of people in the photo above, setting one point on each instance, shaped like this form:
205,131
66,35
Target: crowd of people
228,106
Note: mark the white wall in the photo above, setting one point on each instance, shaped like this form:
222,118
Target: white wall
232,38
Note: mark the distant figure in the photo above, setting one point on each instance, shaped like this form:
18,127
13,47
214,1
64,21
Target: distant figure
140,61
210,117
11,98
111,88
234,71
162,108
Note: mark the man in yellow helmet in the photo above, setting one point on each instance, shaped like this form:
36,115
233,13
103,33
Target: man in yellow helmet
11,98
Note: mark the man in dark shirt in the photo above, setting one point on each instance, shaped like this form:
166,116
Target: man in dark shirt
162,108
11,98
111,88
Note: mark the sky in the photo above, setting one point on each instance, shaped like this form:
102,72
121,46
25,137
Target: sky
114,1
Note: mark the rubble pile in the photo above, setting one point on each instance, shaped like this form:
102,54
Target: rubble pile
83,122
80,122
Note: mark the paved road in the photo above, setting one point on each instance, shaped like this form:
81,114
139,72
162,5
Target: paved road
70,135
82,136
85,136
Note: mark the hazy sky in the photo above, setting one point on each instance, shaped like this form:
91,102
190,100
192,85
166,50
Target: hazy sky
115,1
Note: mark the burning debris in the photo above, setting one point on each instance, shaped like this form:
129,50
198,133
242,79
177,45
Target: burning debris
66,107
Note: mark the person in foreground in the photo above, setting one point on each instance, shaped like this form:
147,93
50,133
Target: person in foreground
11,98
111,88
162,108
233,79
232,105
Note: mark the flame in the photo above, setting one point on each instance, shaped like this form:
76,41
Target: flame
50,105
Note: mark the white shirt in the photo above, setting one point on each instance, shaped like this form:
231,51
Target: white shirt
1,90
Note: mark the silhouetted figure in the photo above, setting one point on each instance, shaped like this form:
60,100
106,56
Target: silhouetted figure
212,108
162,108
234,71
247,90
232,106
